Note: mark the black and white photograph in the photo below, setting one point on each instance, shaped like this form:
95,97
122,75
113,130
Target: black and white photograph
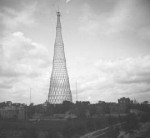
74,68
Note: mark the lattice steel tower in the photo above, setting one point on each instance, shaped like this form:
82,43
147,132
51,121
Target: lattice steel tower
59,90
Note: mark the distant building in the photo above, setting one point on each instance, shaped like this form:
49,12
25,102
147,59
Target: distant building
83,103
113,108
9,103
101,102
12,112
136,111
124,100
70,115
124,104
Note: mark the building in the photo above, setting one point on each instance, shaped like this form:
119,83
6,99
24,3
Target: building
124,104
124,100
12,112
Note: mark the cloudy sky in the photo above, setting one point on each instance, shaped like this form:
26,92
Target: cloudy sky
107,47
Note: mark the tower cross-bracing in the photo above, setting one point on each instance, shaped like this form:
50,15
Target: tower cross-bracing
59,90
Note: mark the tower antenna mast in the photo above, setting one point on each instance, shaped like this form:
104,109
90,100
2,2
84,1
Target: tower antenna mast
76,92
59,90
30,96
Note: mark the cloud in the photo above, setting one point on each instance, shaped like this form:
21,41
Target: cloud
144,33
5,86
24,64
119,19
124,17
19,49
67,1
116,78
13,18
88,20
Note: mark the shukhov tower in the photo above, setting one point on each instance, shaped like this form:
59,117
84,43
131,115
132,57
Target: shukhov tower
59,90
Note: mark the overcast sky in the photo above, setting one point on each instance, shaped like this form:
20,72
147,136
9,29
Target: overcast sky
107,47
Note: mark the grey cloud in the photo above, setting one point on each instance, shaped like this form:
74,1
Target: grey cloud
8,72
126,77
11,18
23,64
141,77
68,1
123,17
12,73
5,86
21,59
16,4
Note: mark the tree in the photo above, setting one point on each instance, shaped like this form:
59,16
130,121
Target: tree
30,110
66,106
131,122
145,102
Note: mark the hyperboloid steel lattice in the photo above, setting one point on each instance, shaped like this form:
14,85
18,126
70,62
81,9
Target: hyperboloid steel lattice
59,90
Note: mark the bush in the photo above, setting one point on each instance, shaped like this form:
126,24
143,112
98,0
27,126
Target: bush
132,123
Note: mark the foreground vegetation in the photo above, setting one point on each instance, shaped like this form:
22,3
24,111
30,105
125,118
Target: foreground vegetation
87,118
